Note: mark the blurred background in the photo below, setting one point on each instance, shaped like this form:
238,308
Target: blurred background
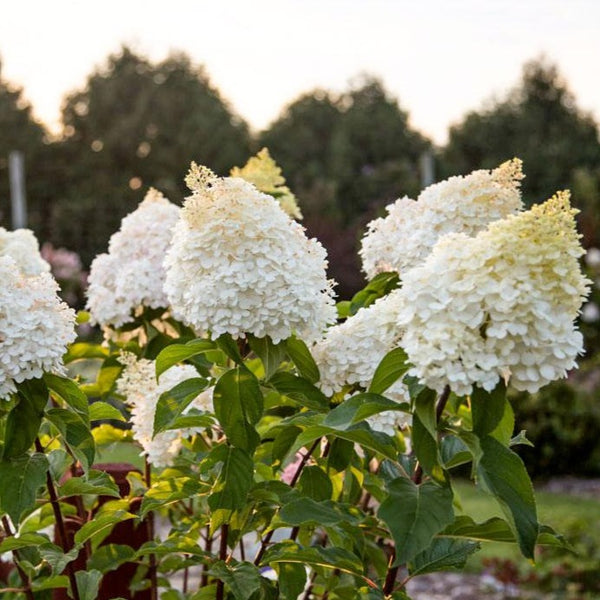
360,103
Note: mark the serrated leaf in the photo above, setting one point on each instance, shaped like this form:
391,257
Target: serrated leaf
24,420
492,530
172,403
270,354
167,491
391,368
443,554
359,407
100,524
502,473
300,390
94,482
88,583
231,489
243,579
414,514
21,479
176,353
100,411
238,404
75,433
300,354
68,391
110,556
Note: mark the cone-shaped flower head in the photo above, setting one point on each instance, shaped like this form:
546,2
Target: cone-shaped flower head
238,264
405,237
138,385
131,274
264,173
35,326
498,305
23,247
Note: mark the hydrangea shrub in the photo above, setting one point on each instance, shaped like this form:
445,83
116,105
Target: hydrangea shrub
288,450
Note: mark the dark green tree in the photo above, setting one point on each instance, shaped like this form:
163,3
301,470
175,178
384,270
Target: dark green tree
19,131
540,123
137,124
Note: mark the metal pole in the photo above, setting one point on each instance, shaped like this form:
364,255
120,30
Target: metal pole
427,169
16,173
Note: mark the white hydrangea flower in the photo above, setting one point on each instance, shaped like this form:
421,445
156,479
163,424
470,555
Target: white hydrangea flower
141,390
238,264
499,305
131,274
349,353
405,237
35,326
23,247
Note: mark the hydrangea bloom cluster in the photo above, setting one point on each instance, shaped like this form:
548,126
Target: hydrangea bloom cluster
131,274
139,386
23,247
35,326
500,304
264,173
238,264
405,237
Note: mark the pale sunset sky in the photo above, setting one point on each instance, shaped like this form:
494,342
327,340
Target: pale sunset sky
439,58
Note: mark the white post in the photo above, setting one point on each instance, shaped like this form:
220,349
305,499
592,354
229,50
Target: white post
16,172
427,169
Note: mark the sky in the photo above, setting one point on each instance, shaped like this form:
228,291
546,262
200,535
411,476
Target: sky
439,58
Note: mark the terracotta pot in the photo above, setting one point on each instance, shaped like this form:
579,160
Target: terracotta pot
115,583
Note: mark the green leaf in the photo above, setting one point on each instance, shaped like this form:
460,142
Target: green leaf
172,403
414,514
305,510
56,557
75,433
426,449
176,353
443,554
68,391
300,354
300,390
283,442
425,410
21,478
492,530
331,558
502,473
85,350
105,381
315,483
94,482
359,407
235,478
229,346
23,541
100,524
360,434
292,580
24,420
488,409
243,579
238,404
378,287
269,353
50,583
454,452
167,491
88,583
100,411
391,368
110,556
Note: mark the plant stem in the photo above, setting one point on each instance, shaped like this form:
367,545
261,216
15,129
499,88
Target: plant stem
208,549
222,556
417,478
150,530
293,482
60,524
24,577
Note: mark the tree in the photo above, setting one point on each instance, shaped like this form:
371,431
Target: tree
137,124
540,123
21,132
